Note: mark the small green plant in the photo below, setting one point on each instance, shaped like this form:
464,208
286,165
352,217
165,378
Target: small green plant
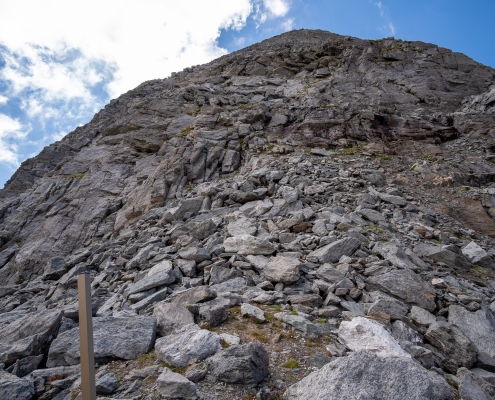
259,336
185,131
146,357
291,364
195,112
179,370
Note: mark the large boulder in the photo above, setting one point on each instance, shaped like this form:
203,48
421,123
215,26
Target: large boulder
405,285
479,328
247,244
171,316
282,269
332,252
364,375
449,339
187,346
161,274
194,295
243,363
172,385
440,254
28,335
12,387
365,334
114,338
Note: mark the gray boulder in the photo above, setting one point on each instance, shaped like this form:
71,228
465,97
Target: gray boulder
187,346
172,385
473,387
405,285
106,384
479,328
247,244
252,312
195,295
12,387
332,252
28,335
214,311
243,363
439,254
163,276
329,273
282,269
449,339
365,334
170,316
301,324
241,226
114,337
364,375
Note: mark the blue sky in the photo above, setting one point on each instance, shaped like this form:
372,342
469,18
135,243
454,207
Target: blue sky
56,71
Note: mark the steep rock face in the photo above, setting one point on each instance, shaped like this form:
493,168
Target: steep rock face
302,88
311,196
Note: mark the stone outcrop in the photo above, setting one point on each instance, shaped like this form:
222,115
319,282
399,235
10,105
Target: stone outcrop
314,208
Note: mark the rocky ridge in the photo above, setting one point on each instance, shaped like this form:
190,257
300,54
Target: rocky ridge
311,214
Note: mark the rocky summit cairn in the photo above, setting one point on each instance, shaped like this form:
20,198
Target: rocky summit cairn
309,217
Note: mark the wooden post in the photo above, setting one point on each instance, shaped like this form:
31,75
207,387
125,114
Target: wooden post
88,386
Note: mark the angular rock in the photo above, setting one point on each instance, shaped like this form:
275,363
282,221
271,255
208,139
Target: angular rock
449,339
28,335
241,226
244,363
247,244
163,277
479,328
301,324
171,316
187,345
12,387
329,273
405,285
107,384
282,269
421,316
472,387
365,334
214,311
332,252
55,268
172,385
114,338
439,254
364,375
194,253
195,295
252,312
474,253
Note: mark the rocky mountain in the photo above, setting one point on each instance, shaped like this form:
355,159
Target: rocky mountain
309,217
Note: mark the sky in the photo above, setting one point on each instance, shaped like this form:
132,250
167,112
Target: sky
61,61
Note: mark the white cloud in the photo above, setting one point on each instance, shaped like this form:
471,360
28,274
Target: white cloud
277,8
380,7
392,28
61,59
63,42
10,130
288,24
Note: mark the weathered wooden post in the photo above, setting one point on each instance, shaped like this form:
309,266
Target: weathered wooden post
88,387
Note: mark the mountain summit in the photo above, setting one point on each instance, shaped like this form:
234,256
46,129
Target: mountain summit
326,198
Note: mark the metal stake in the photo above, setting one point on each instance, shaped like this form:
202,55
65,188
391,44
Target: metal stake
88,387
